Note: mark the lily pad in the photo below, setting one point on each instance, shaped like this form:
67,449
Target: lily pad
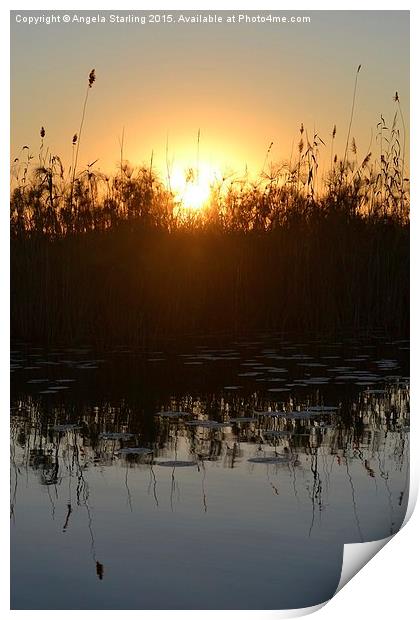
137,451
172,414
62,428
269,414
323,408
270,459
243,419
203,423
176,463
276,433
116,436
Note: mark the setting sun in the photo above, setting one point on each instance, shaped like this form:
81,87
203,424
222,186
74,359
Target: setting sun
192,185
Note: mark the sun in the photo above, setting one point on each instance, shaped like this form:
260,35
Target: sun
195,195
192,185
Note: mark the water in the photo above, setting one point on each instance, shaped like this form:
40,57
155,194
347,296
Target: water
216,477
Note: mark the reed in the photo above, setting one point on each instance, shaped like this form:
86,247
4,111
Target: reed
115,258
77,138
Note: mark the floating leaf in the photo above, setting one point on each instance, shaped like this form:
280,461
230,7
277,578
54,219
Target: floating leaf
176,463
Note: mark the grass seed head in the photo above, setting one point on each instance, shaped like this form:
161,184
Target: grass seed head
92,78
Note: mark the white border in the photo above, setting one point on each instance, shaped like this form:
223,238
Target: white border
387,586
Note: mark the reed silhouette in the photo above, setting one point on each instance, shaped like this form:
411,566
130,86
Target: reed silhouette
101,258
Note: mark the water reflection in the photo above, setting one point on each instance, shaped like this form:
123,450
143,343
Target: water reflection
238,472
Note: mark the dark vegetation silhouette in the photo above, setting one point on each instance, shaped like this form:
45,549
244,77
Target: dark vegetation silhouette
104,259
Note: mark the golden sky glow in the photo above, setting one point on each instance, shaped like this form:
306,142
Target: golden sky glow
243,87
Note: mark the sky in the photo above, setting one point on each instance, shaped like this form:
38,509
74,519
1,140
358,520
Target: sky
242,85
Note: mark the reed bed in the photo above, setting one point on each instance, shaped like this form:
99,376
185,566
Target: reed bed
104,259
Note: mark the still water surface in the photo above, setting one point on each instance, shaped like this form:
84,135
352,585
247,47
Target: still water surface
213,478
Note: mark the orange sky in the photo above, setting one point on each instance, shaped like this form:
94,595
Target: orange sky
243,86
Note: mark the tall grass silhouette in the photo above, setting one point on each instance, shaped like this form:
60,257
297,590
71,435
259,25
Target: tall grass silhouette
105,258
77,138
